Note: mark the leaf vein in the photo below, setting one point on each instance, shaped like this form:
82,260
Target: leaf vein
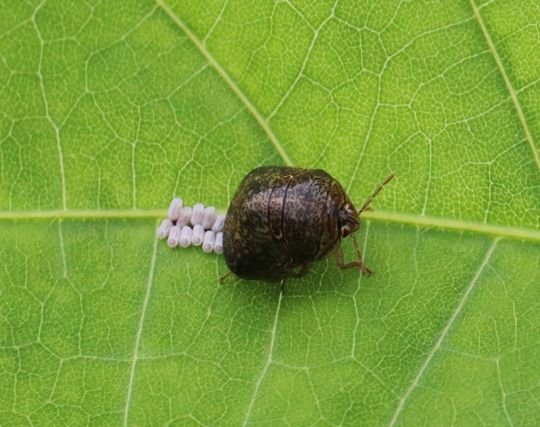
229,81
138,334
46,105
445,332
316,33
507,82
266,364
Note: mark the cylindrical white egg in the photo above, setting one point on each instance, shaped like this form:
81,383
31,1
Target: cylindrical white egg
197,214
198,235
175,208
174,236
185,216
185,236
164,228
218,243
209,217
208,242
218,223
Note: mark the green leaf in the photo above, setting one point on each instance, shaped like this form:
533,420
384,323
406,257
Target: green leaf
107,109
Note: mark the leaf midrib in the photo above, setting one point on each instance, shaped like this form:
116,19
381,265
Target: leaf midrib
424,221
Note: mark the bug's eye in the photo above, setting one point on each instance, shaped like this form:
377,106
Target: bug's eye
348,221
345,231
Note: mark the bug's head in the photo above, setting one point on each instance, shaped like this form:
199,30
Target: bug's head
348,220
349,217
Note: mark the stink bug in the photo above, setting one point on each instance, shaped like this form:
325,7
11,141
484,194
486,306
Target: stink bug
282,219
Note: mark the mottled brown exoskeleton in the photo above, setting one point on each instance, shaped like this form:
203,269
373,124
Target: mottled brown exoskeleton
282,219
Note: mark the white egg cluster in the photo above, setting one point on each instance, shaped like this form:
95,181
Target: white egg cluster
197,225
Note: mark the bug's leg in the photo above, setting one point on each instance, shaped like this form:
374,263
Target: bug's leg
362,266
353,264
224,277
341,264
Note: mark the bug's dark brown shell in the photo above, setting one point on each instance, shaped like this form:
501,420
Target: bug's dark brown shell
281,218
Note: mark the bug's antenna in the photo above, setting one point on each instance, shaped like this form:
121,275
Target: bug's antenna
368,201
